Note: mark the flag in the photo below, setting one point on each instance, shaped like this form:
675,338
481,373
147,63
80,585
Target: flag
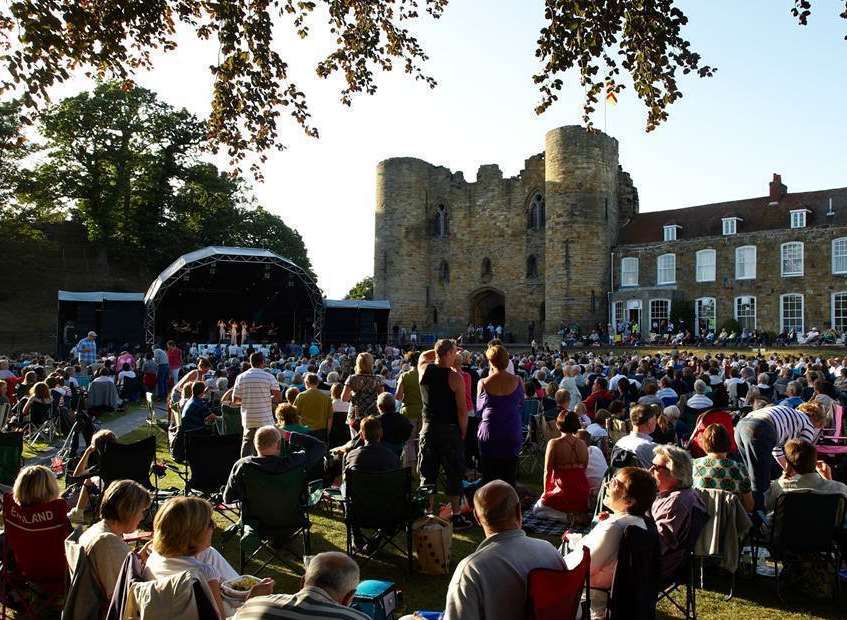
611,96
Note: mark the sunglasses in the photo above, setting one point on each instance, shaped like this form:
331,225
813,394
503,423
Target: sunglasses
658,466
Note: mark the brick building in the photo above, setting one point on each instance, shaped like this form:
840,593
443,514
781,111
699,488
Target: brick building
564,242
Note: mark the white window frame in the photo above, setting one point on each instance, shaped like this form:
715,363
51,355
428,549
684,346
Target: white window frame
833,316
616,320
798,218
842,255
629,260
754,305
713,322
664,318
782,259
729,225
660,269
745,276
782,321
700,266
669,232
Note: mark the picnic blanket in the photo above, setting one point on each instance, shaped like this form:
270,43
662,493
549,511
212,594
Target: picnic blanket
534,524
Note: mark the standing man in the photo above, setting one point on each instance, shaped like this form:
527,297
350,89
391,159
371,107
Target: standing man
86,350
409,393
161,359
315,408
255,390
174,361
445,423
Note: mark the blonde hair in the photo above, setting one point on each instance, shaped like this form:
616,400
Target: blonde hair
497,356
40,390
364,364
34,485
814,410
336,390
123,499
291,394
179,524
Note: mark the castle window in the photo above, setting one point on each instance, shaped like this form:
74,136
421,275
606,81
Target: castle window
745,312
798,218
730,225
444,272
792,259
839,255
666,269
629,271
531,267
670,232
706,265
485,272
791,313
745,262
439,229
839,311
535,213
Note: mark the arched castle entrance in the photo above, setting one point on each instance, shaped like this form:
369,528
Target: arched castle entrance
488,305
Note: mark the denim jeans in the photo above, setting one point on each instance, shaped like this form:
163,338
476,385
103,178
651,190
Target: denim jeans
162,380
756,439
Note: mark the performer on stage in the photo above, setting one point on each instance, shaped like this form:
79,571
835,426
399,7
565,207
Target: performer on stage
221,330
244,333
233,332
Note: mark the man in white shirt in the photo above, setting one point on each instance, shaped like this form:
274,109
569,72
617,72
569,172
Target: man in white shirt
699,400
255,390
639,440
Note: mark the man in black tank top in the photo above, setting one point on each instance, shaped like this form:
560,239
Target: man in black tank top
445,422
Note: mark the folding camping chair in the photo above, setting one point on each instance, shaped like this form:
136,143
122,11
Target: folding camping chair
557,594
11,457
35,543
635,585
382,502
132,461
684,576
44,420
230,422
4,413
274,511
832,442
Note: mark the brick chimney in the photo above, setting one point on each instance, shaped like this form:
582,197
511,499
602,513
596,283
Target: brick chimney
777,189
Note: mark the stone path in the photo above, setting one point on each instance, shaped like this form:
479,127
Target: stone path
120,426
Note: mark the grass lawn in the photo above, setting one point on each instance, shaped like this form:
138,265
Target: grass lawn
754,599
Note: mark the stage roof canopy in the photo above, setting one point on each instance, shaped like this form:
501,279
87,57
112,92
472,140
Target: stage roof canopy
98,296
212,250
358,304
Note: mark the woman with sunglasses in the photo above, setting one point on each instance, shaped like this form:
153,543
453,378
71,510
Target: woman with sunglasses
629,496
182,541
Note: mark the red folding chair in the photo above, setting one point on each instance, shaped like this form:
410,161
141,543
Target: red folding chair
34,573
831,441
556,594
695,442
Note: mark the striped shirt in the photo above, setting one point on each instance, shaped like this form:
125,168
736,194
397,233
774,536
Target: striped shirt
254,387
307,604
789,424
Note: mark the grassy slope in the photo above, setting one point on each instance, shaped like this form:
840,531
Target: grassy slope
754,599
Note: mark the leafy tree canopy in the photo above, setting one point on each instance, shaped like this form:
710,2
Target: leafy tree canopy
127,166
364,289
43,41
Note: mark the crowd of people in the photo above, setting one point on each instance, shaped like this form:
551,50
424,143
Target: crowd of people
647,434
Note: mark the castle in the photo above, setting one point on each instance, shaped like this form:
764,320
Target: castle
564,242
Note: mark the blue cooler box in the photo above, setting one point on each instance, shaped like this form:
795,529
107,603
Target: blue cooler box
378,599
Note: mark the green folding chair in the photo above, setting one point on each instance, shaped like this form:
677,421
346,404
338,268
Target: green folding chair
380,506
230,422
274,511
11,457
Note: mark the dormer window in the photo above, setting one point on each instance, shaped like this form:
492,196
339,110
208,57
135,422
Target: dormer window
798,218
730,225
670,232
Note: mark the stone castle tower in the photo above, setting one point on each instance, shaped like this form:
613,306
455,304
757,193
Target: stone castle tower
529,251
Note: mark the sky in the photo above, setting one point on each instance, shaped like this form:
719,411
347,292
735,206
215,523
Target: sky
776,104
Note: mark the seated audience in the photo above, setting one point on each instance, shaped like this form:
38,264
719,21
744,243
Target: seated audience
630,494
639,441
396,428
182,531
678,511
665,431
792,395
195,412
717,471
566,486
288,419
34,485
329,584
491,582
600,397
121,511
372,455
305,452
87,467
597,465
803,471
666,393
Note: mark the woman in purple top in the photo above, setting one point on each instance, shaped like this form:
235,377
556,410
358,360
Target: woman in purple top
500,401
